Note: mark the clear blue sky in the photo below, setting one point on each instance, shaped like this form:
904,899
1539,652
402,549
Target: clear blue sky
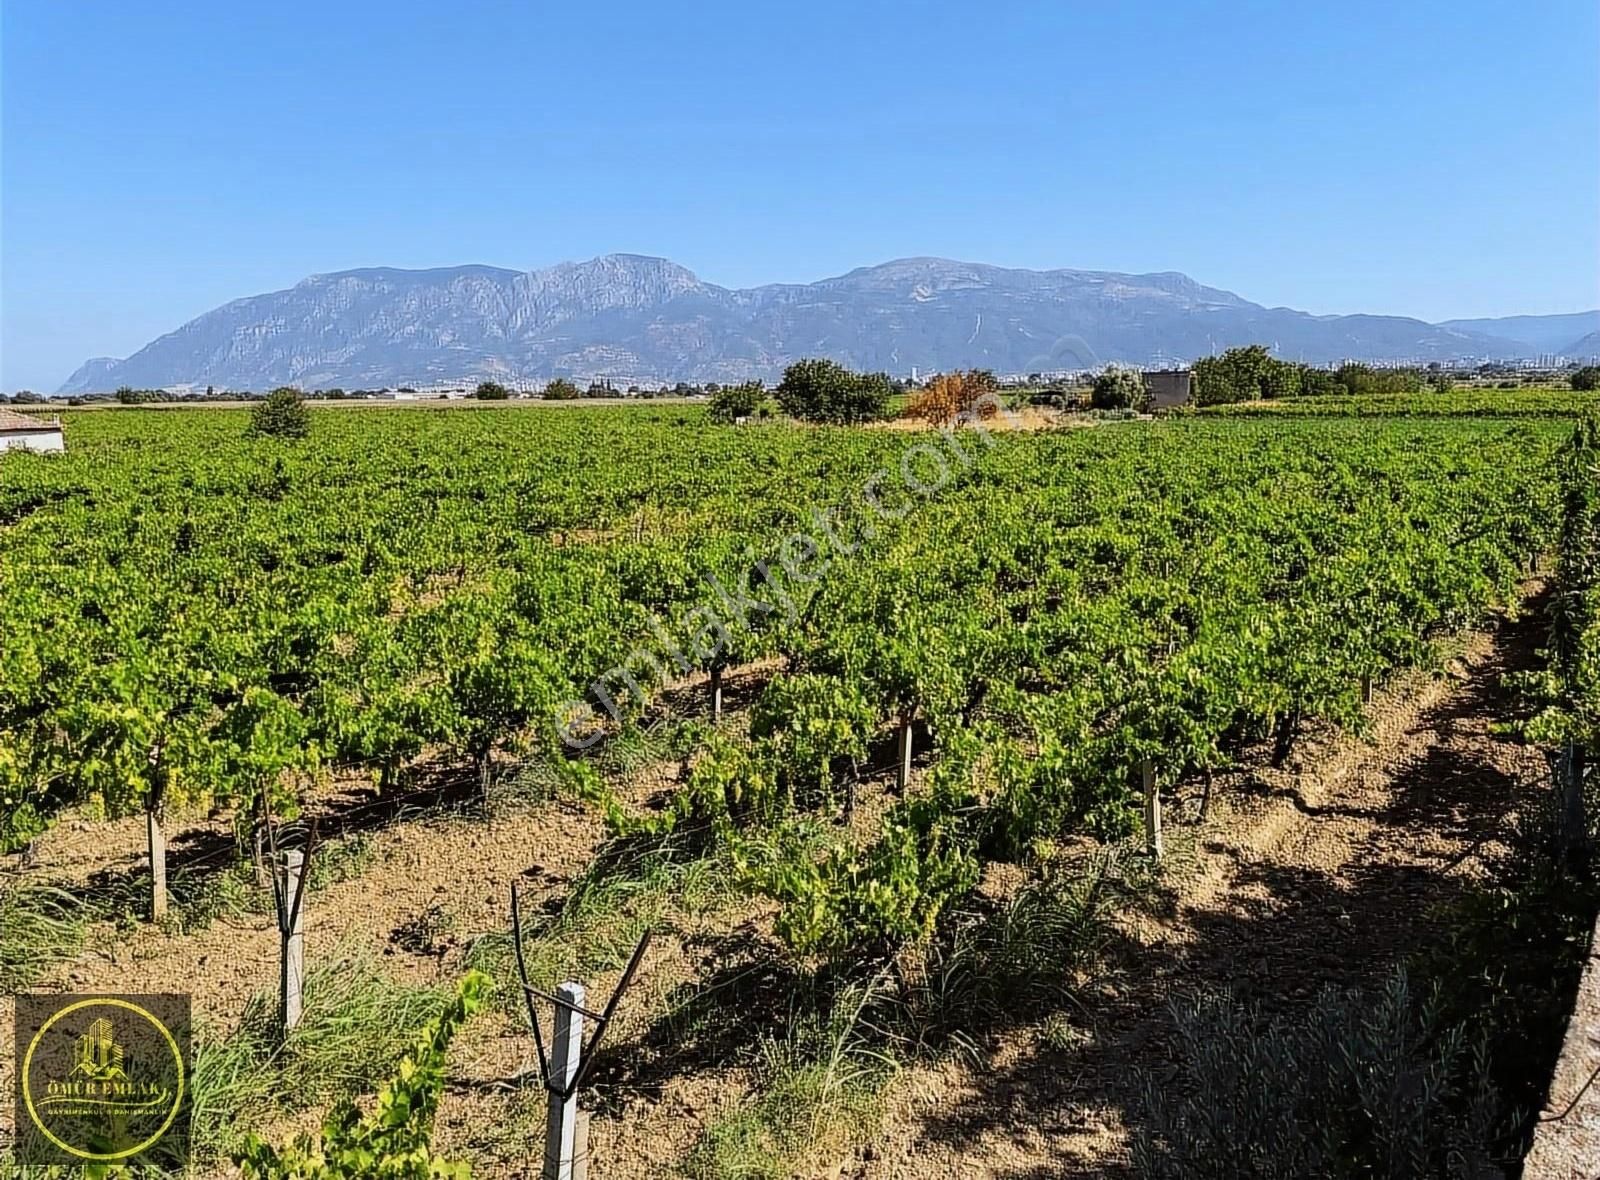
1429,159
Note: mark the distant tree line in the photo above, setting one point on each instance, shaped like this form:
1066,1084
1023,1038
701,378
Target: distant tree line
812,390
1253,373
819,390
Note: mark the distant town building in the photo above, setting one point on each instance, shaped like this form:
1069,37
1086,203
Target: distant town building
1168,388
30,433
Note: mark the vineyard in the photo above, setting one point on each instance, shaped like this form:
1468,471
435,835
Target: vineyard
1478,401
962,673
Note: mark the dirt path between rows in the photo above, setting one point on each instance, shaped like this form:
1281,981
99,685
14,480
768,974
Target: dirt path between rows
1328,870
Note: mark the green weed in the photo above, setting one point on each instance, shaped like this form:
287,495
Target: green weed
39,926
356,1025
817,1093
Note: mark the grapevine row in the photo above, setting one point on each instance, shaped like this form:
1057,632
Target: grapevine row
1061,617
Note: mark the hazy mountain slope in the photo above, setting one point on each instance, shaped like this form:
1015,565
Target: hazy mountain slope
1538,333
631,317
1584,348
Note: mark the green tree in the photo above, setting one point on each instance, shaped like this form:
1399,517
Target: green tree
1281,379
871,398
1586,378
1365,380
1319,383
1441,382
560,390
1235,376
824,391
491,391
1247,374
282,414
731,402
1118,388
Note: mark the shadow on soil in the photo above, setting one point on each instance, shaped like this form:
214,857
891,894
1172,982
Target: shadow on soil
1494,933
1497,936
200,855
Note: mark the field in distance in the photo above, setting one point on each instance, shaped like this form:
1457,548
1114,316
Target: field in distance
909,862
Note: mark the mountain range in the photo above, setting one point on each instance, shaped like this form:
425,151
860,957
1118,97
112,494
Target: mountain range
1564,334
627,317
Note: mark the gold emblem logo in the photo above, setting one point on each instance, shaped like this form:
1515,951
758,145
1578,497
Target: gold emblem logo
103,1079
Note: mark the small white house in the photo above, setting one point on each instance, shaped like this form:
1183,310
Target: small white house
26,432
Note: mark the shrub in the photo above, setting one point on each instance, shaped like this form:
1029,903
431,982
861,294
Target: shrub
491,391
1586,378
825,391
561,390
282,414
731,402
1117,388
951,395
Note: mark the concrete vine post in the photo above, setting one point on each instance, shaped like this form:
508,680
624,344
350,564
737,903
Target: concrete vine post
1569,778
292,938
902,774
566,1065
1152,808
155,838
566,1050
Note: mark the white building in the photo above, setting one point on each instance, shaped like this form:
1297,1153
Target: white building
30,433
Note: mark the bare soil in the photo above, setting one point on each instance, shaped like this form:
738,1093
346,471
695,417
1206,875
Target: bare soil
1329,869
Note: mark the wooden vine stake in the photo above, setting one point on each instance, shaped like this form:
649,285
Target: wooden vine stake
157,842
1152,808
155,839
